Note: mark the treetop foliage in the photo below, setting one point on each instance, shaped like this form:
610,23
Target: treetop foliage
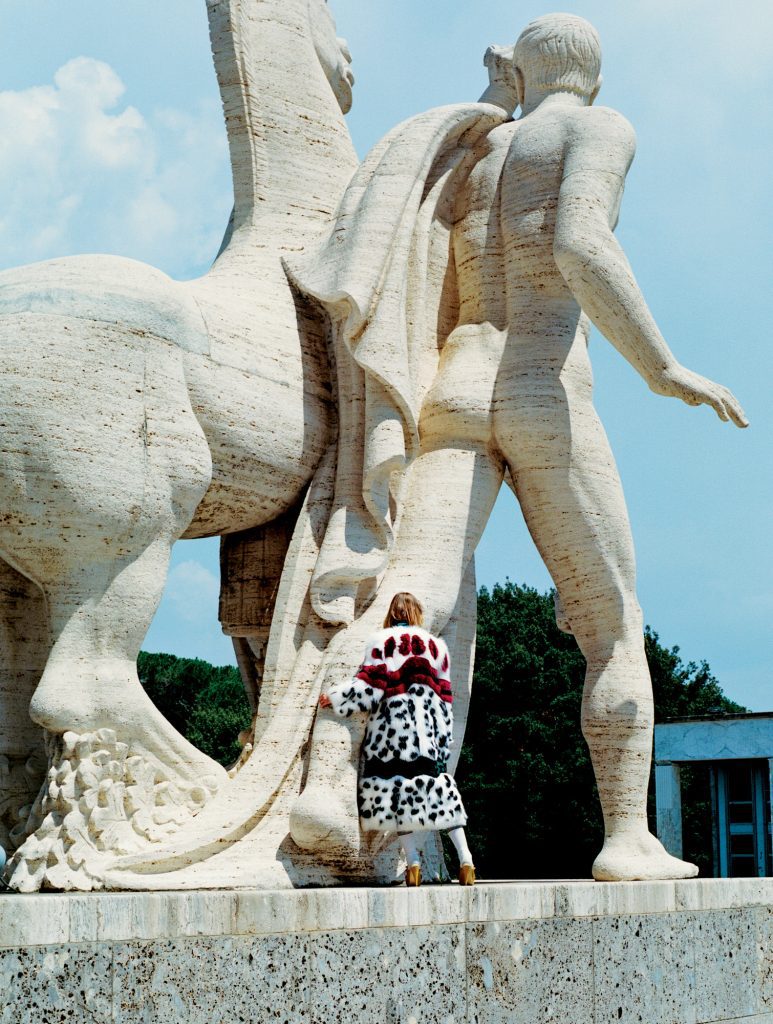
207,704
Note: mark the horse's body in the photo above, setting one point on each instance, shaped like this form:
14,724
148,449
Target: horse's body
137,410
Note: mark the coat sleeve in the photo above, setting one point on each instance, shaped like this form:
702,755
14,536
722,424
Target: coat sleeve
445,733
443,670
359,694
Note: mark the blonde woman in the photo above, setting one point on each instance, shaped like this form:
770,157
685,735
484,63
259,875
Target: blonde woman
404,686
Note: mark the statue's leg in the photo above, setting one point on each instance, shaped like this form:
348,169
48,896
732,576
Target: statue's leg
572,499
104,466
120,777
24,647
100,614
451,492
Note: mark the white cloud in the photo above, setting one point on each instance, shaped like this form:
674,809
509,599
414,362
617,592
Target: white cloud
81,172
186,622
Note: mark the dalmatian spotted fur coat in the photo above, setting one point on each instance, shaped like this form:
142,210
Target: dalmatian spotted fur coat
404,686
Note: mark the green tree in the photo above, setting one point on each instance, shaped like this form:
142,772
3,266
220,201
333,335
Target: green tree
524,764
207,704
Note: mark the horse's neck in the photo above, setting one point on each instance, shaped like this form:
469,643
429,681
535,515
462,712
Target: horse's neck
291,153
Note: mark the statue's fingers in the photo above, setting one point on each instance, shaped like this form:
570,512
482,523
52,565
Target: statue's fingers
719,407
735,412
711,396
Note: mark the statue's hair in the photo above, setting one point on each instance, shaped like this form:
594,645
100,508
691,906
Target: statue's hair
559,51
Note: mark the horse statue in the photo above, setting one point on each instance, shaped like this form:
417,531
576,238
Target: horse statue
138,410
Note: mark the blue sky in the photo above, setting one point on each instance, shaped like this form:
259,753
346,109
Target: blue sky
113,142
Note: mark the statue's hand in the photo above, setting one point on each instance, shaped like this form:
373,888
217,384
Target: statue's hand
679,382
502,88
499,62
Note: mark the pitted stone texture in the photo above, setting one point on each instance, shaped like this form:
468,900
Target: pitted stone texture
644,969
765,954
389,976
56,985
212,981
758,1018
495,954
726,965
528,971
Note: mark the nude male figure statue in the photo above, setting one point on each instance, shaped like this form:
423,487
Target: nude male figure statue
536,262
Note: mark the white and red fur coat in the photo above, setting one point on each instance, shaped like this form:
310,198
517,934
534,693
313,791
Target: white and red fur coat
404,686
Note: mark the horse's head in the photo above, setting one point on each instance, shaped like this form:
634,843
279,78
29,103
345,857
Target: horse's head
332,52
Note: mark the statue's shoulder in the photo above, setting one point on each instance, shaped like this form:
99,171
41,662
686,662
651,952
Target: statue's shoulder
603,126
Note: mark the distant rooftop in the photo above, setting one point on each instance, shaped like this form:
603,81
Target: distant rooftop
719,716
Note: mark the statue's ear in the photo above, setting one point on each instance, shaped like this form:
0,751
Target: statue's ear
595,92
520,87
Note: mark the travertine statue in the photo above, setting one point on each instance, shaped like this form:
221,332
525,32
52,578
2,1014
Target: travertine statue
137,410
454,276
393,227
535,258
531,220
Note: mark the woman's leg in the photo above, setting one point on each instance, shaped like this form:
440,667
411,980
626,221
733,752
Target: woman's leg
459,839
410,848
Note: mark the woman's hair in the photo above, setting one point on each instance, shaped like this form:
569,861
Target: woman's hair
404,608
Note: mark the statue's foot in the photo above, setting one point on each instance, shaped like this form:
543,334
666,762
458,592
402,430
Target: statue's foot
152,735
321,823
638,856
108,695
102,800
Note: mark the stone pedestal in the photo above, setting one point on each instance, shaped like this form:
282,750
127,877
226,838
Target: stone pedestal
687,952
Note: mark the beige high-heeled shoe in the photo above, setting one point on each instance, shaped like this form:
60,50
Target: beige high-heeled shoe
466,874
413,875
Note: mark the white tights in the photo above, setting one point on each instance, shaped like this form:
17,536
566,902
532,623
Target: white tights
456,835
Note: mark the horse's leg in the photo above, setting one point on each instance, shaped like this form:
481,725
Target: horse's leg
99,617
24,647
104,464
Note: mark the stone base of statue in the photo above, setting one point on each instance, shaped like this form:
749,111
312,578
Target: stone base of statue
688,952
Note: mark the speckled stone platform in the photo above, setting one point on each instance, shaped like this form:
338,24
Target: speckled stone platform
688,952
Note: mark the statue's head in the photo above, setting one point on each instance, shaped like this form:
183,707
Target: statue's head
559,52
333,53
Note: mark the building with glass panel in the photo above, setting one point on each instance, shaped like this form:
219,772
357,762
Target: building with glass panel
737,751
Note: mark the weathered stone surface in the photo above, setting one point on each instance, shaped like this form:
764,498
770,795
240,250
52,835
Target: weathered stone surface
394,975
69,984
644,969
765,955
530,971
727,966
212,981
380,955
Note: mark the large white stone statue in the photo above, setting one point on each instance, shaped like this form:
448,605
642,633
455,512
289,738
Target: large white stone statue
533,261
137,410
458,271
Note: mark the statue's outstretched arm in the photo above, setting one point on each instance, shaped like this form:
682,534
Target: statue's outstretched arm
595,267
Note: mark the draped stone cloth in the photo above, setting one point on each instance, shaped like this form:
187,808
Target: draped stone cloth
380,272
